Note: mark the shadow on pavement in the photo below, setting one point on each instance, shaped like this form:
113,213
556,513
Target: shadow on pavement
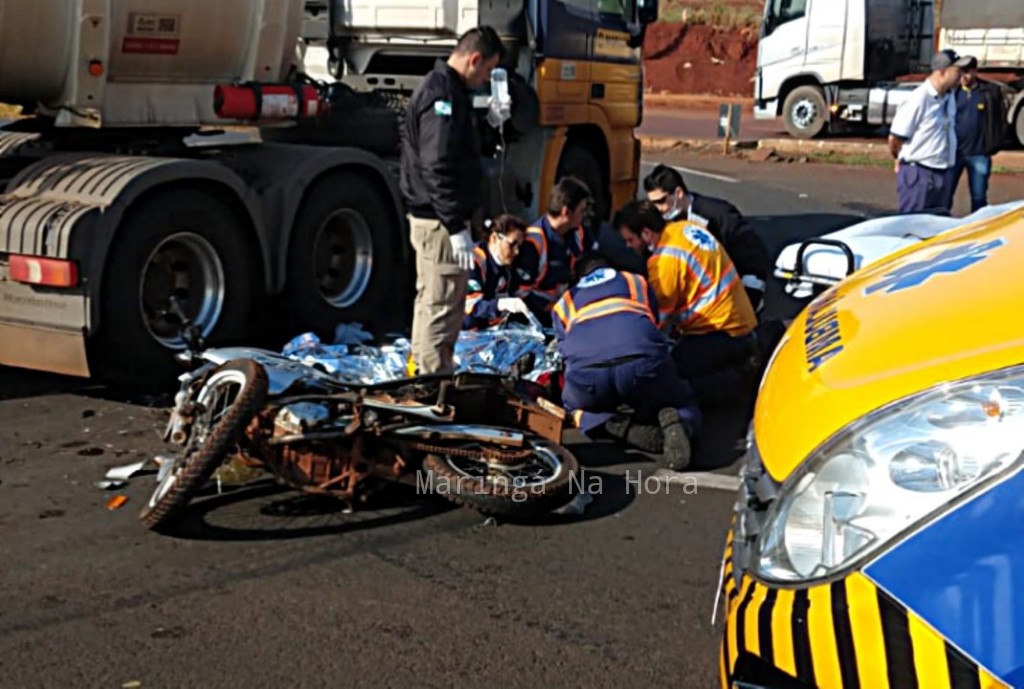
265,511
262,510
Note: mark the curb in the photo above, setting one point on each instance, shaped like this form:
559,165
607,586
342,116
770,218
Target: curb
668,143
1010,161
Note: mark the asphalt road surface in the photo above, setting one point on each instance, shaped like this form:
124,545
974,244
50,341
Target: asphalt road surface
264,588
702,123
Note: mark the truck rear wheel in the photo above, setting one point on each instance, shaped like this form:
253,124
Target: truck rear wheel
581,163
804,112
185,244
343,258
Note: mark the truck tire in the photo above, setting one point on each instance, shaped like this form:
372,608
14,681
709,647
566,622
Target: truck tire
183,242
804,112
579,162
344,259
1018,125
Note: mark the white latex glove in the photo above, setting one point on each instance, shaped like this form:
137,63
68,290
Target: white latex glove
497,113
513,305
462,246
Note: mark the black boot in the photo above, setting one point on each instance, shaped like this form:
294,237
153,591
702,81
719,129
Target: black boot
677,448
643,437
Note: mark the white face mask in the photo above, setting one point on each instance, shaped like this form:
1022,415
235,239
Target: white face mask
675,211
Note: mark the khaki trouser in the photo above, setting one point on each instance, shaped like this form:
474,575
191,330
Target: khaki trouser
440,298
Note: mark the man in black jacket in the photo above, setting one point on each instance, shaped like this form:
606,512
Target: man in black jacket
668,193
980,130
441,184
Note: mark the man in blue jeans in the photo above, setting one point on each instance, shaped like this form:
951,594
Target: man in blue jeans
980,129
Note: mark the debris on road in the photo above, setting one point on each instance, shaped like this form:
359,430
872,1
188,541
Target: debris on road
126,472
577,505
110,485
763,155
116,502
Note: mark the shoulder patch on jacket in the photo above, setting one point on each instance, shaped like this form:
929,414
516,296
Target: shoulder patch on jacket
700,237
443,108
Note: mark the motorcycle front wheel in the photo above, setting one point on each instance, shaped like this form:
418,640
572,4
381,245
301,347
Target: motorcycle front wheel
227,401
526,487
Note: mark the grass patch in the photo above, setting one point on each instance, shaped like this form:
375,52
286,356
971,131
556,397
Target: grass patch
875,161
849,159
720,15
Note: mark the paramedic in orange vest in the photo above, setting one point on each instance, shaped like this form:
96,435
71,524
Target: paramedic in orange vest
553,245
495,279
702,300
615,355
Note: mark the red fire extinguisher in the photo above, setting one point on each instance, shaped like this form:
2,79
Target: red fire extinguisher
253,102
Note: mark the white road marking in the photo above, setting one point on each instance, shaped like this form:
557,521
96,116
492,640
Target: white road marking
698,173
702,479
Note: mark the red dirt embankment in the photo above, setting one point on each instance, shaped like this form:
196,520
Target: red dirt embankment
699,59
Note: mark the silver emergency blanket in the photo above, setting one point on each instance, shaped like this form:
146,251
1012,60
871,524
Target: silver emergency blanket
495,350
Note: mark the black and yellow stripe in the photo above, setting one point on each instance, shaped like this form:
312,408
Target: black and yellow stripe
845,635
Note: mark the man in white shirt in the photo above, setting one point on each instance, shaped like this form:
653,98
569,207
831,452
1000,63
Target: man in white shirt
922,138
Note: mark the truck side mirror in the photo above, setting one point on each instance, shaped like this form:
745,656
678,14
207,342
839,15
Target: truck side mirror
647,11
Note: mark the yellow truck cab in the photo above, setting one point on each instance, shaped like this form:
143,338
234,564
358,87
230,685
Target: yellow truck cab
878,535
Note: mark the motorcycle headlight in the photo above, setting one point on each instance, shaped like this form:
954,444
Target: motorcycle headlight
889,472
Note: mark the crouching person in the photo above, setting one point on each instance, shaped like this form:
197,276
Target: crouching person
495,277
615,355
703,304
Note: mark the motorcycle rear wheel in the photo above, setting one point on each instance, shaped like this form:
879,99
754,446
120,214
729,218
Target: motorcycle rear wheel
243,383
506,490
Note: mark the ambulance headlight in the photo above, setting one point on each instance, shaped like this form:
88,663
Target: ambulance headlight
890,472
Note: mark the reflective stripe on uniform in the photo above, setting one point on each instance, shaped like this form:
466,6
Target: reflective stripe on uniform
636,303
708,294
480,258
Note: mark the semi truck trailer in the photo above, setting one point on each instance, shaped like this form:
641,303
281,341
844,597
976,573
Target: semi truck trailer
831,66
178,159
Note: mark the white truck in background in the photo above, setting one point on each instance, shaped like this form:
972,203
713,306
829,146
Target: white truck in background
846,65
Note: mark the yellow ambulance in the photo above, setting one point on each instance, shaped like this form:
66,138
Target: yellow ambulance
878,535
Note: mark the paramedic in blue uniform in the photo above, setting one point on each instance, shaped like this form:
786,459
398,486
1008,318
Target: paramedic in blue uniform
553,245
922,138
615,355
980,132
495,277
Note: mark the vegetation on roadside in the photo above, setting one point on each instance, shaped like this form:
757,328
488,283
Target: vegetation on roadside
864,160
727,14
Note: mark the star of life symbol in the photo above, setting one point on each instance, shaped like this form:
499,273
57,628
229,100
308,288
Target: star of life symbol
951,260
702,238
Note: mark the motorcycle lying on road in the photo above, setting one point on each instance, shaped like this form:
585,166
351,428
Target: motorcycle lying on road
479,439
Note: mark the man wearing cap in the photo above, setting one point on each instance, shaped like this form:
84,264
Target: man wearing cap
980,131
922,138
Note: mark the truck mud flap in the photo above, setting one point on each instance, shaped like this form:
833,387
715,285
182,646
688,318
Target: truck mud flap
42,329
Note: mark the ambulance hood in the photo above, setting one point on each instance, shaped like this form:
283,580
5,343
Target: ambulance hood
948,308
